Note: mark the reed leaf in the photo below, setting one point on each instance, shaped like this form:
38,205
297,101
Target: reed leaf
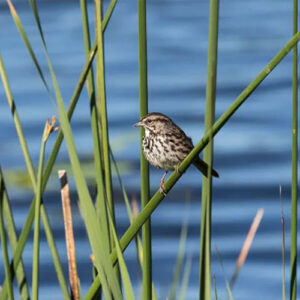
54,252
13,240
226,281
27,43
179,262
30,169
110,284
17,122
4,245
78,87
76,94
27,225
139,245
215,287
36,235
185,279
123,268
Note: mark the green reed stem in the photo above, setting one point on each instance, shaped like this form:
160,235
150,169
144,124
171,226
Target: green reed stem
76,94
102,107
19,247
17,254
23,145
100,198
31,172
145,190
174,177
294,205
101,102
3,240
78,87
127,286
111,286
139,245
205,238
228,288
36,236
13,240
27,43
16,120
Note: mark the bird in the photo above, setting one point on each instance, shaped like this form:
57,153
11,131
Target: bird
165,145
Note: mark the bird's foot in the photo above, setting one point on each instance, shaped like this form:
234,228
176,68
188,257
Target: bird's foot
161,188
177,170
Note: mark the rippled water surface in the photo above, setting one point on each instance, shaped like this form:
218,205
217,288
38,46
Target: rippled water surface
252,152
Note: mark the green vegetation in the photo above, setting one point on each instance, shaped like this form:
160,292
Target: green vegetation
112,278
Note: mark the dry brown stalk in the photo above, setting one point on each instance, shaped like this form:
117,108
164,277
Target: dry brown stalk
70,244
247,244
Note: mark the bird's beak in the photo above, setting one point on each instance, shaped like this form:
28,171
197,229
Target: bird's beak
138,124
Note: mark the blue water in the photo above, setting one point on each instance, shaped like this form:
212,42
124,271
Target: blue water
252,152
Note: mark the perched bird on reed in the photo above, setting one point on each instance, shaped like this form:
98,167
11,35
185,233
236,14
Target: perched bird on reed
165,145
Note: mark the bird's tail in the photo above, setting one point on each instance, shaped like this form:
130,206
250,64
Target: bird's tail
202,166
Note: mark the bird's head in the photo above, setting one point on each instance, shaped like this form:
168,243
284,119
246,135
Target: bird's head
155,123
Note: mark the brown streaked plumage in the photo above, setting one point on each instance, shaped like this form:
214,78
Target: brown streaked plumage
165,145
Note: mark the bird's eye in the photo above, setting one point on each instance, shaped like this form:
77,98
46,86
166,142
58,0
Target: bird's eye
149,121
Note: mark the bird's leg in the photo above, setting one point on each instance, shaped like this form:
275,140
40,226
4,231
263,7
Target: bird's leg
161,189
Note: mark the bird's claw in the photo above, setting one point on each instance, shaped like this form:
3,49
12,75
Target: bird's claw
177,170
161,189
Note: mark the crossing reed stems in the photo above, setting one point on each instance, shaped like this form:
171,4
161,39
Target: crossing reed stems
3,239
175,176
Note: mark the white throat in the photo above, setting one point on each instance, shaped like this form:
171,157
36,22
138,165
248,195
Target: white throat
147,132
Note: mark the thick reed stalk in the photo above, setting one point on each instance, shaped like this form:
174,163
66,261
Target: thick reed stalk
145,191
205,238
223,119
294,188
100,198
101,102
